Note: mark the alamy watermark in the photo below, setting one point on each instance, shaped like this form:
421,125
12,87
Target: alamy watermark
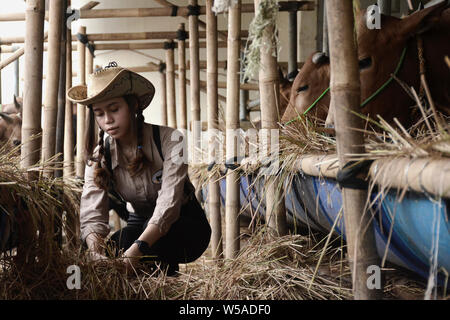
373,17
72,15
74,280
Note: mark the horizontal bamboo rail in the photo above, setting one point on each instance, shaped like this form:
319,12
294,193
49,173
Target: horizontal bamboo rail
120,36
119,46
16,55
159,12
423,175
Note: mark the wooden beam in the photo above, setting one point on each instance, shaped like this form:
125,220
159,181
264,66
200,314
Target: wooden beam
160,12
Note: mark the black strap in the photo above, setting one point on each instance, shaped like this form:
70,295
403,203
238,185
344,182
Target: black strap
157,140
347,177
182,35
174,11
169,45
193,10
116,202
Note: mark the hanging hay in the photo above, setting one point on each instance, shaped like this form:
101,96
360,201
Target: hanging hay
265,19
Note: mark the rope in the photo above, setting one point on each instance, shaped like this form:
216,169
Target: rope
193,10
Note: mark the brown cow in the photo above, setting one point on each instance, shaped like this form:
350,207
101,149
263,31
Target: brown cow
11,122
379,51
15,107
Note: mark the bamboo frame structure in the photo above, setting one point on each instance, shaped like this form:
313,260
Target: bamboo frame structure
158,12
182,79
170,83
33,50
52,84
119,46
162,73
292,49
81,109
121,36
60,121
215,218
68,168
194,72
269,93
345,97
232,202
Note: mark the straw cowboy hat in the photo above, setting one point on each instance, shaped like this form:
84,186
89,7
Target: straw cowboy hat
112,81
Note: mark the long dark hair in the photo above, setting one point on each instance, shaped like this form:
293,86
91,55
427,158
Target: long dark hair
101,175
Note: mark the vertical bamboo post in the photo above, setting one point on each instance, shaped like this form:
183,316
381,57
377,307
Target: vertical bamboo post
385,7
170,83
162,73
270,98
81,110
89,71
52,82
232,202
215,218
32,99
243,94
59,148
292,49
182,35
195,84
320,17
345,95
325,44
69,115
16,75
1,78
31,123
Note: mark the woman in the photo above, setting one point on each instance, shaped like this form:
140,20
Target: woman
168,224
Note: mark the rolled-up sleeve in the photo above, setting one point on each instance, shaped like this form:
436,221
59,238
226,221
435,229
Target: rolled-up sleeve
93,207
171,194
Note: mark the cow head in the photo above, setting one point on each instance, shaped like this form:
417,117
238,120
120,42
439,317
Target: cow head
312,79
379,51
10,129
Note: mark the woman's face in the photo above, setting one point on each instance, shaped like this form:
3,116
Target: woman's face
113,116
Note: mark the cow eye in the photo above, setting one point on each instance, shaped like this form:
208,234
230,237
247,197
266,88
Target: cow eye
303,88
365,63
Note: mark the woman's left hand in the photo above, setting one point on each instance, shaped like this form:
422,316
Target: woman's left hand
131,257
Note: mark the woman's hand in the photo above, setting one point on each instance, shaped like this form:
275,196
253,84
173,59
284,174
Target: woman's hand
131,257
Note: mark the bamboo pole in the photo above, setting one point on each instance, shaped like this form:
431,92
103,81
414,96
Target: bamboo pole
159,12
201,24
170,80
69,116
345,96
52,84
162,72
81,109
59,148
32,100
90,70
232,202
385,7
195,84
182,76
16,76
215,217
269,94
292,49
119,46
1,80
127,36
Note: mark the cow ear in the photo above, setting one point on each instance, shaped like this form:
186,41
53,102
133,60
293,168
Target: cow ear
6,117
420,21
320,57
17,104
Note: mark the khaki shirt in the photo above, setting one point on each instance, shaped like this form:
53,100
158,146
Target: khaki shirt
148,192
